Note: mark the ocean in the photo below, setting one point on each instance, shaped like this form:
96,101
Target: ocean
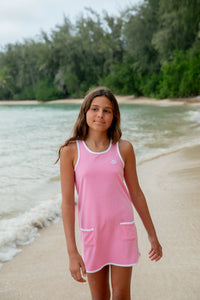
30,135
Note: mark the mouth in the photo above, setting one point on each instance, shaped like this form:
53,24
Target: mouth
99,122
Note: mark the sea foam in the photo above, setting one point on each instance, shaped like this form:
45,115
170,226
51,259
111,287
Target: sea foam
24,228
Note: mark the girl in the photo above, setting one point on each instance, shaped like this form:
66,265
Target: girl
97,162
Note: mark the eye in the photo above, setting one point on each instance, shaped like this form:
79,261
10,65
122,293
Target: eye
94,109
107,111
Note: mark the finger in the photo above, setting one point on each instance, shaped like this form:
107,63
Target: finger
155,256
158,258
155,250
83,269
81,279
150,252
152,256
77,276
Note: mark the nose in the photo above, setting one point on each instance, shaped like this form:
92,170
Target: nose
100,113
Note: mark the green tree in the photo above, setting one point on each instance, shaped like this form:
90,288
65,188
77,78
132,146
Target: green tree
181,76
178,26
139,29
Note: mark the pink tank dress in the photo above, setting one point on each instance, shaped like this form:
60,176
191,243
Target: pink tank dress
105,212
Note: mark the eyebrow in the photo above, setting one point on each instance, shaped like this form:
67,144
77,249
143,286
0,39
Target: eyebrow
110,107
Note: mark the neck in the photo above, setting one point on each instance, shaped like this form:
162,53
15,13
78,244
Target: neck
97,140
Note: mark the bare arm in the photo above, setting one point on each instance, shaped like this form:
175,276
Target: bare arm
68,211
138,198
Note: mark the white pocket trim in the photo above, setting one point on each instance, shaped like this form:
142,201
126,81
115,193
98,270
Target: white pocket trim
126,223
89,229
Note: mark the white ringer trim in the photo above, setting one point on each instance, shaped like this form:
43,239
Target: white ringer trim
114,264
78,155
98,152
120,154
126,223
90,229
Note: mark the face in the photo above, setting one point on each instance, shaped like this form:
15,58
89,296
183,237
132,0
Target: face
100,114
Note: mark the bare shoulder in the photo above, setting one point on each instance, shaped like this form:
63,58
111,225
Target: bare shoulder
69,153
125,146
69,149
126,149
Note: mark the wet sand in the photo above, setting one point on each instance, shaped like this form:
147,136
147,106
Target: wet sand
171,186
193,101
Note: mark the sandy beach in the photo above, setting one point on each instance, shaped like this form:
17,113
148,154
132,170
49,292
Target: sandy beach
171,185
131,99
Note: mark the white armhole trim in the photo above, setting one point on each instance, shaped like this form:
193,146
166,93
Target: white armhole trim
120,154
77,143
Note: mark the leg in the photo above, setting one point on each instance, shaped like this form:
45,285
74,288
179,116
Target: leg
121,282
99,284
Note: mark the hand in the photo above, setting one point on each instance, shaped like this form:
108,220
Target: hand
156,250
77,267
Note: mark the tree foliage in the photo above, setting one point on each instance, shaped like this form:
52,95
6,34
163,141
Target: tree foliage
152,49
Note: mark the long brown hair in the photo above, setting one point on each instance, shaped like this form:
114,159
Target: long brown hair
80,130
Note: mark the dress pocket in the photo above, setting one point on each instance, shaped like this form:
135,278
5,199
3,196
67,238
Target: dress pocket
87,236
128,230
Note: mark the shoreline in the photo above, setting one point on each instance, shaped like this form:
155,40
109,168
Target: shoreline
168,152
170,183
191,101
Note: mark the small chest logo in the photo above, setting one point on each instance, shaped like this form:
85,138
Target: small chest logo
113,162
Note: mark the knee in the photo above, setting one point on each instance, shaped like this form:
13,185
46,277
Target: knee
103,296
120,294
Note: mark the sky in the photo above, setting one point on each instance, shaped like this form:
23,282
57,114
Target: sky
22,19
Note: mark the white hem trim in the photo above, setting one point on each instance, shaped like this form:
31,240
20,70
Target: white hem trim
98,152
120,154
78,155
114,264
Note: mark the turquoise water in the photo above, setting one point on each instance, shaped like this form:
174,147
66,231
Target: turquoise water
29,139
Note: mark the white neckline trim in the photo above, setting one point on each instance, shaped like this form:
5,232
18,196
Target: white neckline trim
102,152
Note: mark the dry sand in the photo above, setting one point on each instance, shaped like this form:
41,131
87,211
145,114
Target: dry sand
193,101
171,186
